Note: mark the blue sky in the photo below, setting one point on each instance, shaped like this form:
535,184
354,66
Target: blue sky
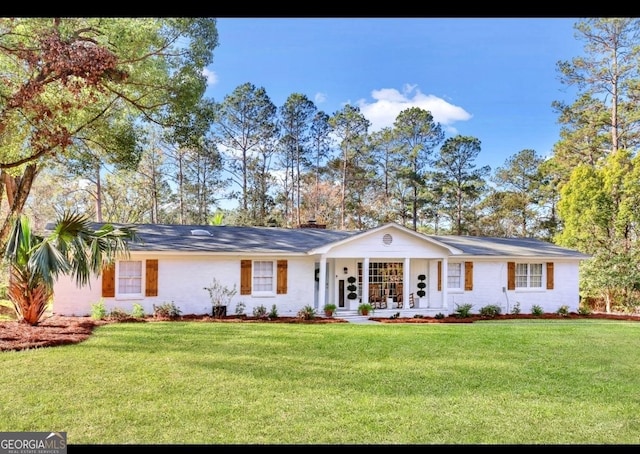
490,78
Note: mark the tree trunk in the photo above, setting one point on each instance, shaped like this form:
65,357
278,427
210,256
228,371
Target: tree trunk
17,190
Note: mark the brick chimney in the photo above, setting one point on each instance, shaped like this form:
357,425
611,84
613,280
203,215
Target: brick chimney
312,224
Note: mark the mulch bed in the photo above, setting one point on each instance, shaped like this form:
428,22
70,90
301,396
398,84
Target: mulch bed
475,318
61,330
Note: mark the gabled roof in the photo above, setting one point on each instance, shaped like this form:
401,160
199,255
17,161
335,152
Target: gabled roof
386,227
273,240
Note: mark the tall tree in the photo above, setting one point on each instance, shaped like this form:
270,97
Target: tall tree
204,182
605,115
519,180
153,182
418,135
462,183
122,197
63,78
296,117
351,129
260,197
119,149
53,193
584,134
192,151
549,222
592,158
244,121
321,140
599,210
387,160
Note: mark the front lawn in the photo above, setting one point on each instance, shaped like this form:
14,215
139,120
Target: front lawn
524,382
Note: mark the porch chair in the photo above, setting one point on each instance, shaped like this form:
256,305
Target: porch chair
376,298
399,296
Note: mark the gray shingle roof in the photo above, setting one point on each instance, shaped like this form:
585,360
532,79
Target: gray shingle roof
510,247
272,240
228,239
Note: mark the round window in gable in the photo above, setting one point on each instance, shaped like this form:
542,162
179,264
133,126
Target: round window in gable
387,239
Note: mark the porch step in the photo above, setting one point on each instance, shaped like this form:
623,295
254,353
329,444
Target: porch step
350,315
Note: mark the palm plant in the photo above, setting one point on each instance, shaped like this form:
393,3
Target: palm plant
72,248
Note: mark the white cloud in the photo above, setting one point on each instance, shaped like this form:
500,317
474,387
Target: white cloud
389,102
320,98
212,77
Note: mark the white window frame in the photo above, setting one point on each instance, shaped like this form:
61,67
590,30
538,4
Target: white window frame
119,275
257,273
452,266
524,278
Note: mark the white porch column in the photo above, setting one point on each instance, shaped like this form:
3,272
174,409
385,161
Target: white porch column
365,280
322,283
445,273
406,279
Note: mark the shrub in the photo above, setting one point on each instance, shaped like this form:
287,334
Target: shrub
352,288
240,308
563,310
463,310
536,310
118,314
394,316
98,310
307,313
515,310
490,310
166,310
219,294
439,315
137,311
274,312
419,316
584,310
260,311
421,286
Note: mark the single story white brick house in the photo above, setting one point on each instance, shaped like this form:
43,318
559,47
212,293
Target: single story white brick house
394,268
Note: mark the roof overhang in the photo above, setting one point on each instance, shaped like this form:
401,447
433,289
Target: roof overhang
386,227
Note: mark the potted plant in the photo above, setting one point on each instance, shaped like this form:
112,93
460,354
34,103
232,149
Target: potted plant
220,296
365,308
330,309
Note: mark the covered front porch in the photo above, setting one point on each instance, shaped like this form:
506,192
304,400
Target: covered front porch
409,285
392,268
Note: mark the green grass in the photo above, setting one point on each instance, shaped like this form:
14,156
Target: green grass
507,382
